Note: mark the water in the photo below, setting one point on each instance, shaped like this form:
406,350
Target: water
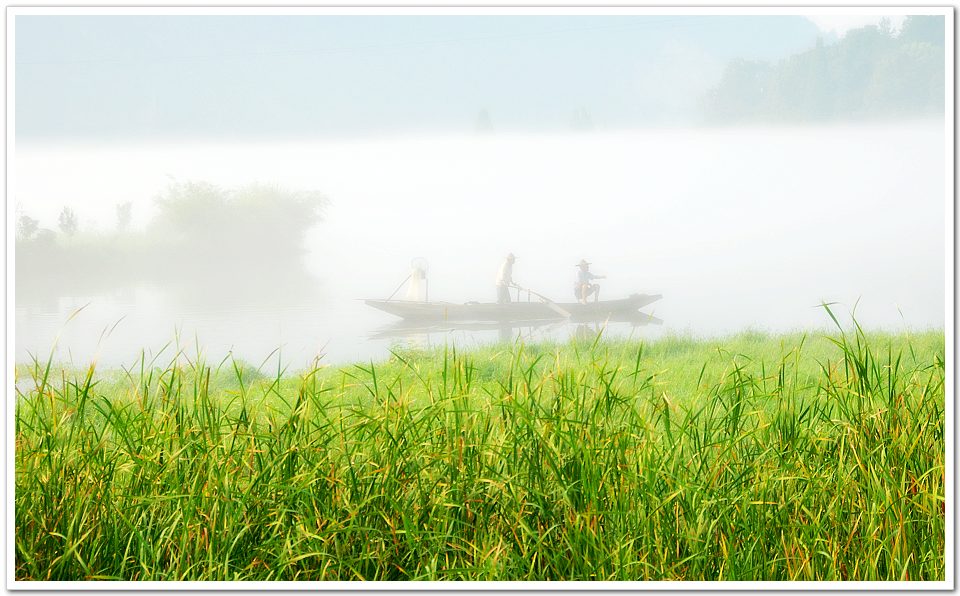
737,228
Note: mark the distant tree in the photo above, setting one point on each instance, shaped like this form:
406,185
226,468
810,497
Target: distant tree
26,227
923,29
45,236
581,119
484,123
252,224
277,215
209,245
67,222
124,216
885,26
740,94
907,80
800,88
188,209
871,72
853,61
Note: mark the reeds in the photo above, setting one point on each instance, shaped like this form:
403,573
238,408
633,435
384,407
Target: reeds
756,458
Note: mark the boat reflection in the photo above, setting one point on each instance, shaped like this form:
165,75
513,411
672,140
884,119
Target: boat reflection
507,331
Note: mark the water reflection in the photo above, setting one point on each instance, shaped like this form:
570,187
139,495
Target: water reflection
418,333
154,320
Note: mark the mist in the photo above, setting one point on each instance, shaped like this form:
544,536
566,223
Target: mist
221,198
736,228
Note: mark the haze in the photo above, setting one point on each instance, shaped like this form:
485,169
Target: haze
628,142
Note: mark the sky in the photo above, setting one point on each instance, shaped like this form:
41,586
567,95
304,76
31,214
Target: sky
838,25
105,77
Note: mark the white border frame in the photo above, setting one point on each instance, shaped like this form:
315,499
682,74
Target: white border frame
536,9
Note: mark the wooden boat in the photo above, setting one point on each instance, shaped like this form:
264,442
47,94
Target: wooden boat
514,311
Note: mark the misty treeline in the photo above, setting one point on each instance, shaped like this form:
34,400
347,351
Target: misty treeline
199,233
871,73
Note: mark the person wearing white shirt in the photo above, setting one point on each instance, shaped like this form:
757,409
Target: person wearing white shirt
505,280
583,288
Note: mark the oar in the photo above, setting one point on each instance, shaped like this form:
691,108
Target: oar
550,303
398,287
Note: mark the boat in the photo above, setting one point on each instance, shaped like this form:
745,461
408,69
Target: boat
515,311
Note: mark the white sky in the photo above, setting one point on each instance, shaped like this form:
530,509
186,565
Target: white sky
841,23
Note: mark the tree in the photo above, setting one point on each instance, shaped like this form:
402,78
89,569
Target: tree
907,80
740,95
253,224
188,209
923,29
484,123
68,222
581,119
124,215
26,227
870,73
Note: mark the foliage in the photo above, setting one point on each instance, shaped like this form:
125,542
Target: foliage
26,227
581,119
201,237
871,72
484,123
67,222
254,222
752,458
124,216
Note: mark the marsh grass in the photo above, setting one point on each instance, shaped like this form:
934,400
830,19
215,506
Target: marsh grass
755,457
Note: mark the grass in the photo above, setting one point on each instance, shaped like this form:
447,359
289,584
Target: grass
755,457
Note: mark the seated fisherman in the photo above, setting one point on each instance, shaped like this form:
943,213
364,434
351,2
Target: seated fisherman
583,287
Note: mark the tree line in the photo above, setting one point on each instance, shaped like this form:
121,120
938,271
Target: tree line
200,232
872,72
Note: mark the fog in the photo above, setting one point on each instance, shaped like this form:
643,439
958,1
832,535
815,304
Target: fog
241,184
738,228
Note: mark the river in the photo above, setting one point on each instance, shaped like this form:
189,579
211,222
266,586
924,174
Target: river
738,228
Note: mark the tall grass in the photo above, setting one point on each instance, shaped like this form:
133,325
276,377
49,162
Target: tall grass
754,458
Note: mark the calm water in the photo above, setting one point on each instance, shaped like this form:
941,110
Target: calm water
737,228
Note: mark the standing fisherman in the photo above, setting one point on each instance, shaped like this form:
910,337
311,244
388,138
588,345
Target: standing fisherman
583,287
505,280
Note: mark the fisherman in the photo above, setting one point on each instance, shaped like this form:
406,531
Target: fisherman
505,280
583,287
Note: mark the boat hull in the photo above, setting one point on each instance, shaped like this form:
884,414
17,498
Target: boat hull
513,311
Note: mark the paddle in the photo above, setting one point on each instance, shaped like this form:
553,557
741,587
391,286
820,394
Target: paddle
550,303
